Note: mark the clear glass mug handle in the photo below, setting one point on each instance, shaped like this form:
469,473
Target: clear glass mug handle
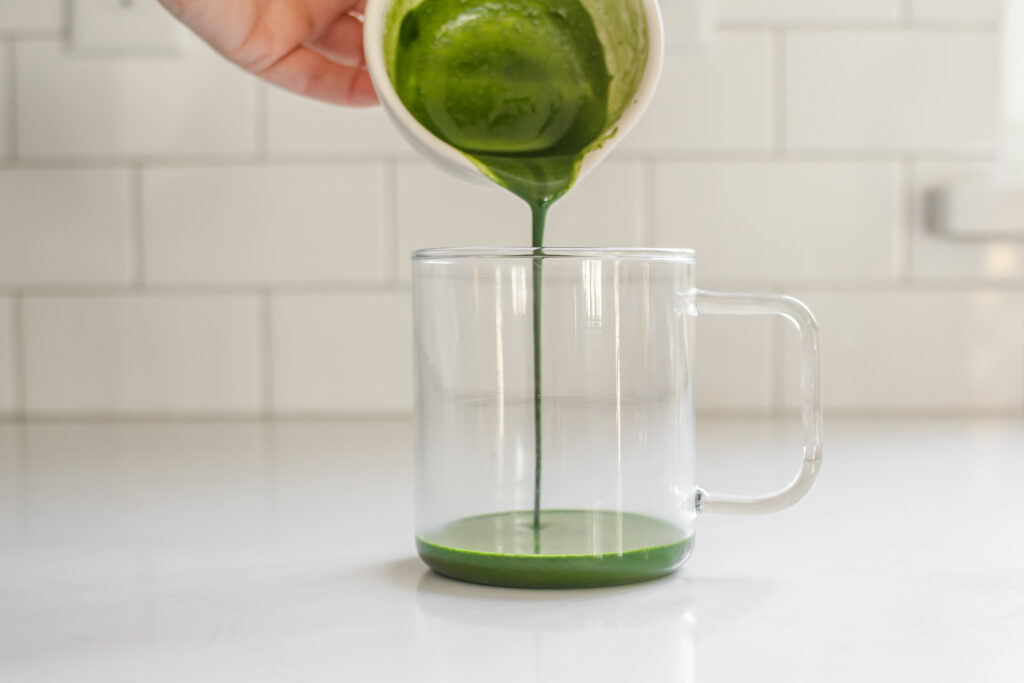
796,312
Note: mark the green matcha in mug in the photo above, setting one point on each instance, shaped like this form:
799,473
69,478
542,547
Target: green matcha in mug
614,499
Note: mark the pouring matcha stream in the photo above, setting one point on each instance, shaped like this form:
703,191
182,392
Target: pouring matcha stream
525,90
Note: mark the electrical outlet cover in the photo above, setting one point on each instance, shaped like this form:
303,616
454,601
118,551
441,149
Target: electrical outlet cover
123,27
978,211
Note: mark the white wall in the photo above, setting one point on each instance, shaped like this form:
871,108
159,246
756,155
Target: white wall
178,238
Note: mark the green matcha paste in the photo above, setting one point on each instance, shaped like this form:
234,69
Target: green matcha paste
519,86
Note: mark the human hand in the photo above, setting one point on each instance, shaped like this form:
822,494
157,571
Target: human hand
312,47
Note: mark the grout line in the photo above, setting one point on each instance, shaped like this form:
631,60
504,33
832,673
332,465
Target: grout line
24,487
906,13
29,291
33,34
281,417
747,25
261,133
837,156
778,90
67,21
888,26
894,286
18,356
723,26
883,414
205,160
777,378
646,229
136,226
266,354
969,26
389,256
201,289
909,219
692,155
12,100
143,417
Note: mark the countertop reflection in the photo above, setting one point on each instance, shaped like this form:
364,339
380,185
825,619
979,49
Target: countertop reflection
283,552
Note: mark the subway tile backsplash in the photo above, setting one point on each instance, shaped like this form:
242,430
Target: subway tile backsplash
31,15
64,226
828,219
891,90
736,369
141,353
6,122
341,353
719,99
805,11
178,238
280,223
93,106
983,12
8,401
301,126
945,351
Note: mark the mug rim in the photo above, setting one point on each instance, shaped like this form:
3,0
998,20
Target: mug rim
639,253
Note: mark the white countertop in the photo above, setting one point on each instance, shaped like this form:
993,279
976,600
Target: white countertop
283,552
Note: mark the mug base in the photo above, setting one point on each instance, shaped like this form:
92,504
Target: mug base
504,549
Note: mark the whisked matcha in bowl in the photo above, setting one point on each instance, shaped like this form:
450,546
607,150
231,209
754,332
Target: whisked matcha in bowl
518,86
530,94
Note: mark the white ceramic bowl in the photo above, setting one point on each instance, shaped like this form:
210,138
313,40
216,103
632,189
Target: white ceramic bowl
454,161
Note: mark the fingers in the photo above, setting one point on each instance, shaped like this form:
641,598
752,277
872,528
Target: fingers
308,73
259,33
342,41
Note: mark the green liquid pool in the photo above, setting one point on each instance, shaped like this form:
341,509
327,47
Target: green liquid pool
571,549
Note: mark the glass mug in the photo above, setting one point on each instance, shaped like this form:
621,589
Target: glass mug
570,462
